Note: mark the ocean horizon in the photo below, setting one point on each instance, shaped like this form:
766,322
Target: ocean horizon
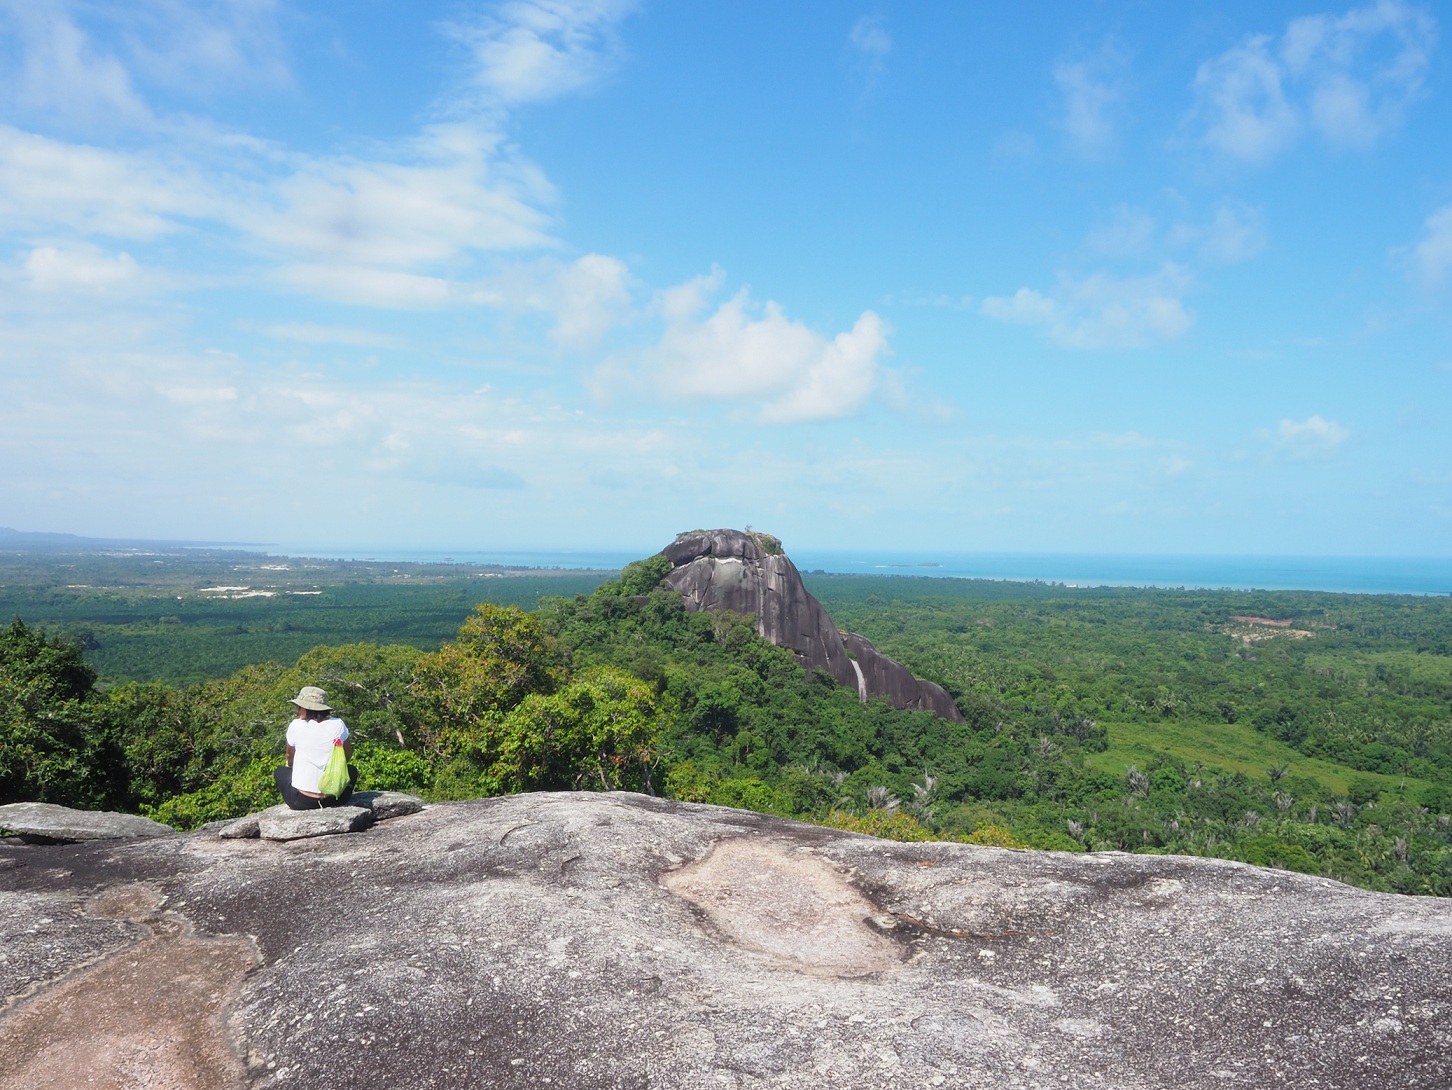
1341,574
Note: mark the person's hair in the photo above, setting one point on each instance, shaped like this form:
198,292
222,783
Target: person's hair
315,716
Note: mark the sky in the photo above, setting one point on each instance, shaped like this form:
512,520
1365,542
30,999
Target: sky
1080,276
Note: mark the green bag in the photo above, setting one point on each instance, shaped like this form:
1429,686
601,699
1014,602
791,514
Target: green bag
335,776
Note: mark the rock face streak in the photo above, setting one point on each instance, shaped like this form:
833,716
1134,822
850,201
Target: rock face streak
619,942
748,573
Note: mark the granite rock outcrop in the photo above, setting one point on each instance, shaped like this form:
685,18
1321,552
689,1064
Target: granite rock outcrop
743,572
48,823
577,940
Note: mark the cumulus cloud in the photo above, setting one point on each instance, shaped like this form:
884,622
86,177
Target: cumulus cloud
756,357
1314,437
1102,311
536,50
1093,90
1346,78
1432,256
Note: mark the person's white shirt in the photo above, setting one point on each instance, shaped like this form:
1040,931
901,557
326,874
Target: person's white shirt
312,741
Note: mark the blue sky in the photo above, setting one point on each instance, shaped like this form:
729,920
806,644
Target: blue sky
1060,277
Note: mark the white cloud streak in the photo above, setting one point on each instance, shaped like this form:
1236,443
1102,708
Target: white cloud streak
537,50
1348,79
871,42
1432,256
1314,437
1103,311
1093,90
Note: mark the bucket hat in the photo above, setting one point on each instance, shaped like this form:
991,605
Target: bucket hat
312,698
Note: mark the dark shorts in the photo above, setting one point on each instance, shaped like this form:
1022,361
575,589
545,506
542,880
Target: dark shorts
297,801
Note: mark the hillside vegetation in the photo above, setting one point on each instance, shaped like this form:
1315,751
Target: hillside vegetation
1138,720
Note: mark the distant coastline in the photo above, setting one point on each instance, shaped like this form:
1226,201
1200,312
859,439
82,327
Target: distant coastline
1336,574
1347,575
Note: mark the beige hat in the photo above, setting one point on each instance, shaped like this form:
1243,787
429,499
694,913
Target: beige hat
312,698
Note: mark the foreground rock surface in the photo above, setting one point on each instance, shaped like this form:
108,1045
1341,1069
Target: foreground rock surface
47,823
722,570
580,940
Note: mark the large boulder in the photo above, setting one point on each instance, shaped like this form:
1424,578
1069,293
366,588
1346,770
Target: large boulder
48,823
721,570
576,941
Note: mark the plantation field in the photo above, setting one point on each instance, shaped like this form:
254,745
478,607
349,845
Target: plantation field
1228,747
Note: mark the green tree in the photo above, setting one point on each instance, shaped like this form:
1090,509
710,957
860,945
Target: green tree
602,730
53,745
501,656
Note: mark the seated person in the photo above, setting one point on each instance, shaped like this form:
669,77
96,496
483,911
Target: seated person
310,739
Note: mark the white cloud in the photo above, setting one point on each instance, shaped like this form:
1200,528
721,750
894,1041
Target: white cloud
590,296
82,269
1347,78
60,71
47,183
310,333
536,50
1103,311
204,47
1234,233
359,285
1130,232
754,356
872,43
1092,91
1432,256
1314,437
65,73
453,196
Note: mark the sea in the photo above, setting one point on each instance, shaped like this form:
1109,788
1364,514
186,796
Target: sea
1345,574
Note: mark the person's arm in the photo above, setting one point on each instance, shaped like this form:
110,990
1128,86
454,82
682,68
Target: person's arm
291,752
348,749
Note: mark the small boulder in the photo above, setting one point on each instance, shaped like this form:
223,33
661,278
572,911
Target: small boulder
388,804
47,823
246,828
381,804
280,823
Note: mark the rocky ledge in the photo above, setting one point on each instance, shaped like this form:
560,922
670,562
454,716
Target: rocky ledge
47,823
585,940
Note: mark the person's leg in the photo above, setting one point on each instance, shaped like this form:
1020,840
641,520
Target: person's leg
295,801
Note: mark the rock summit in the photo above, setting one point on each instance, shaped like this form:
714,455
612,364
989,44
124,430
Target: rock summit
577,940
